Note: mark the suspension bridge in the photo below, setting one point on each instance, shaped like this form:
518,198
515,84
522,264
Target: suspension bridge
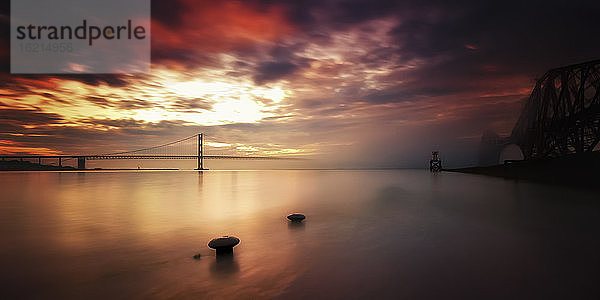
191,147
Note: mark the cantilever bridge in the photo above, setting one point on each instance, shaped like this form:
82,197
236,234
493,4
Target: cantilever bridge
191,147
561,116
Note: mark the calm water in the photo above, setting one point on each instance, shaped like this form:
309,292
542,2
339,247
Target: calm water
388,234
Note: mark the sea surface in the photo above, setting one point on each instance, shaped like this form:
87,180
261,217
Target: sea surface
390,234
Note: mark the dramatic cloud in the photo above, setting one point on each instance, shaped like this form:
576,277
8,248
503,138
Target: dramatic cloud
354,83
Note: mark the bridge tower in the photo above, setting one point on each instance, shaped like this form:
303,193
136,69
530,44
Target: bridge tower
435,164
81,162
201,152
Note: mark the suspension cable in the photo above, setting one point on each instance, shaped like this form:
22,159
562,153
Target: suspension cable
150,148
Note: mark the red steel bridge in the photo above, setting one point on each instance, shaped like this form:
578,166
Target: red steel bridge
191,147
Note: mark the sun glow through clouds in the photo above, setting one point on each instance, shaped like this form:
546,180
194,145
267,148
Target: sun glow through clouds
165,95
232,102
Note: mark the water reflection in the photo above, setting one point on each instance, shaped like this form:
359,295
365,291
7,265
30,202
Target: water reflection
296,225
224,266
475,233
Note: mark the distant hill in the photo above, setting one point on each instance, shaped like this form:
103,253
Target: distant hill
16,165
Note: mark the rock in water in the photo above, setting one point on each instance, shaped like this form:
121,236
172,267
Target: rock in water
296,217
224,245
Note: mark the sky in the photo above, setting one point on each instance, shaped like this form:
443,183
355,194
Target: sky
344,83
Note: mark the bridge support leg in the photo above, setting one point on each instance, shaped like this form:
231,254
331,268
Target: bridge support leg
39,161
60,161
81,163
435,165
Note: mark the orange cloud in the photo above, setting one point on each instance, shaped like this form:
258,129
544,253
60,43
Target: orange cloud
9,150
49,84
221,26
7,142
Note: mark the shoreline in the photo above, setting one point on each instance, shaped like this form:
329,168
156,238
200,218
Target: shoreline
16,165
578,170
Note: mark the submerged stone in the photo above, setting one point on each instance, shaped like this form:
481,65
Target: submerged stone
296,217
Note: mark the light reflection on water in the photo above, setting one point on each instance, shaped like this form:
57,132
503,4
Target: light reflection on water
401,233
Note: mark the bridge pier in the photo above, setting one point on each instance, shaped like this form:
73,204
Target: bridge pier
81,162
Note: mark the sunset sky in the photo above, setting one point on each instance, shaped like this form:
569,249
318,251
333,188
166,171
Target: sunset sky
356,83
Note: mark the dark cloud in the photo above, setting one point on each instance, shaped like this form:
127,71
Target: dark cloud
99,101
16,82
387,96
53,97
353,11
20,117
269,71
509,38
167,12
117,123
522,37
192,104
127,104
113,80
284,61
187,58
